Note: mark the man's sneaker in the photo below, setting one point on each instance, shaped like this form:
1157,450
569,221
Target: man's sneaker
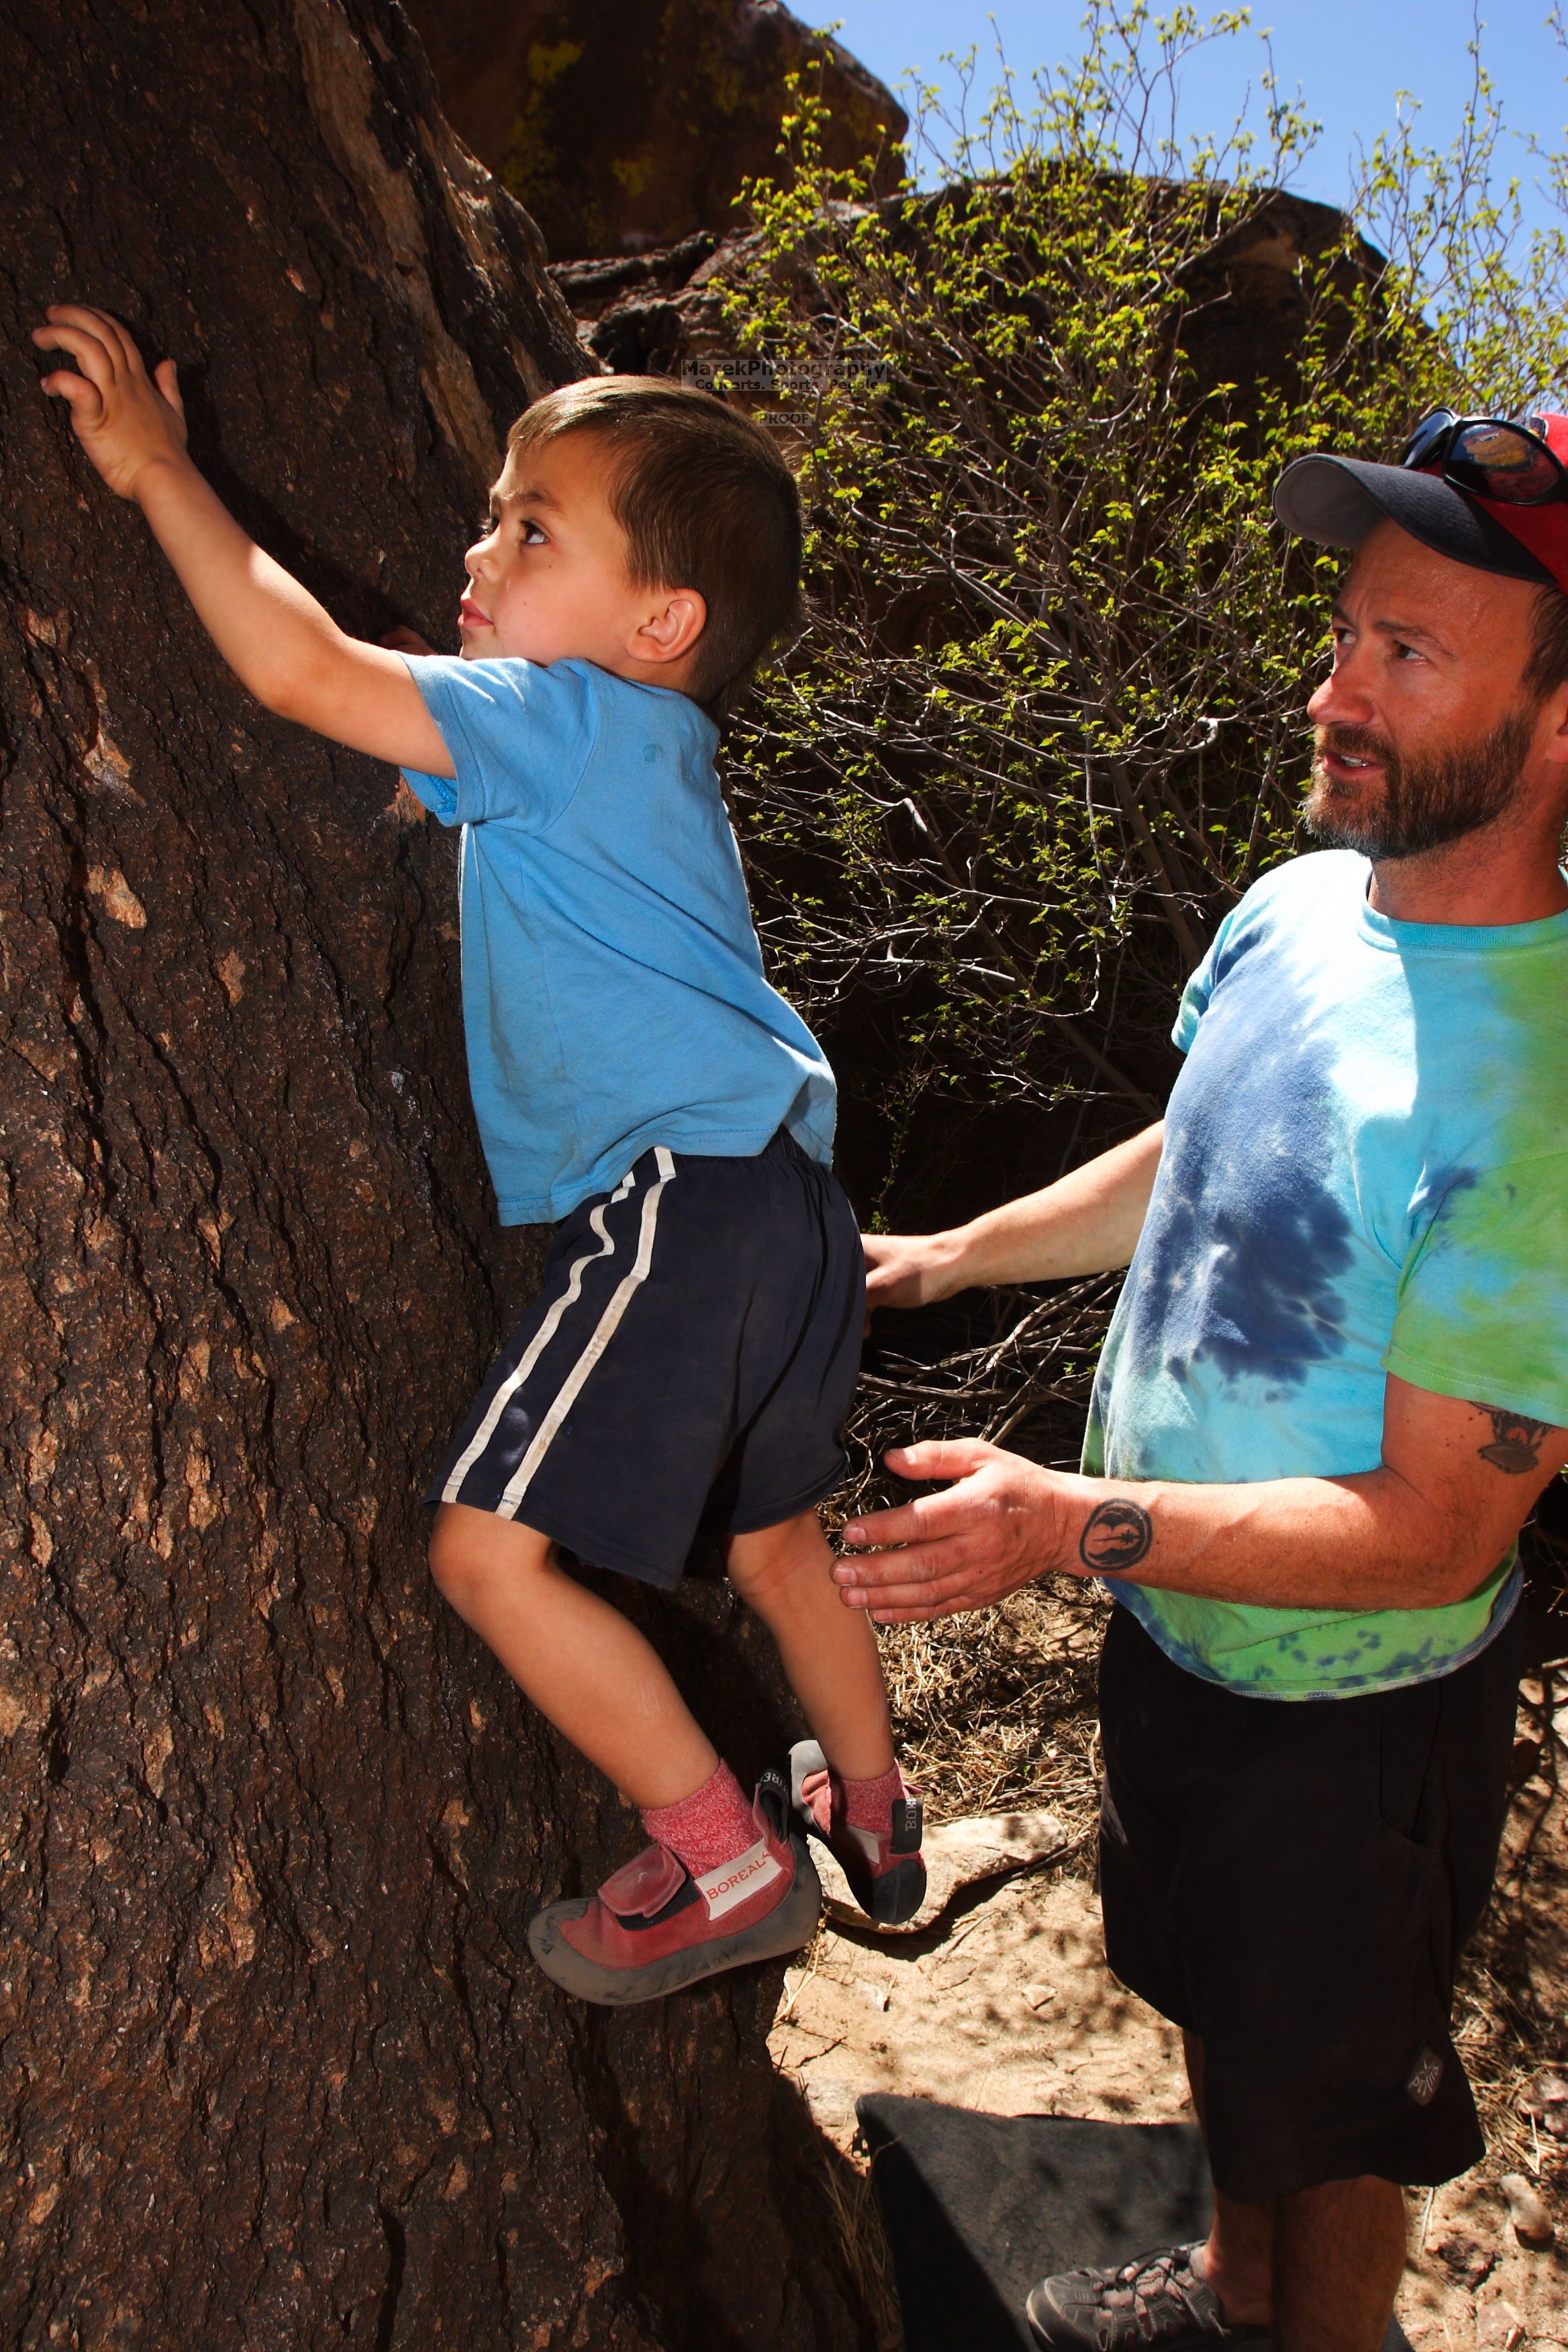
653,1927
1157,2304
885,1874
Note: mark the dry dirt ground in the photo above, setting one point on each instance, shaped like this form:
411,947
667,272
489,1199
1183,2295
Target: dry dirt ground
1006,2003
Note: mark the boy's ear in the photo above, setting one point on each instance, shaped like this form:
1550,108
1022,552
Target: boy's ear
672,629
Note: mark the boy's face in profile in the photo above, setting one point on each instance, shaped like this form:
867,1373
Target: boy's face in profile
551,580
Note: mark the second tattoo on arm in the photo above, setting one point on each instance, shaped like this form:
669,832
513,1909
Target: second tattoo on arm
1515,1443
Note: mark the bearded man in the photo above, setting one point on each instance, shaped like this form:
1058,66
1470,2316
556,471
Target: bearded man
1335,1384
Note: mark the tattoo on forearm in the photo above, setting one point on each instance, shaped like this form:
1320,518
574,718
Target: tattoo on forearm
1116,1536
1516,1442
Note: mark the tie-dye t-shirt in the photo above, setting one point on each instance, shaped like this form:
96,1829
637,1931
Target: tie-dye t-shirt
1365,1171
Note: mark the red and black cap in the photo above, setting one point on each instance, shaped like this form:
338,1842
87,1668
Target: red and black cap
1338,500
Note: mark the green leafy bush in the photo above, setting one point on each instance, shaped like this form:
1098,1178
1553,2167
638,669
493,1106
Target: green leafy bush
1047,722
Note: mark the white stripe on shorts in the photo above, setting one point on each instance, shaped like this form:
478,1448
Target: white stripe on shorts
549,1428
537,1345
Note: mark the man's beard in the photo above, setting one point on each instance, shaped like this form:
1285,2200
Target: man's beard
1424,802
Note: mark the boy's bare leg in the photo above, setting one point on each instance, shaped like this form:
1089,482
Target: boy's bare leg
601,1684
829,1652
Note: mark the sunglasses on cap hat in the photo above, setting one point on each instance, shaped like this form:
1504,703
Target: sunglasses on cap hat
1489,491
1491,456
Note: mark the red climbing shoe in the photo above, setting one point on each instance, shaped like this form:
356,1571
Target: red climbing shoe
885,1874
653,1927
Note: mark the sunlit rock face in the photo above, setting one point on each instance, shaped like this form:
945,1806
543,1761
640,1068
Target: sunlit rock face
624,124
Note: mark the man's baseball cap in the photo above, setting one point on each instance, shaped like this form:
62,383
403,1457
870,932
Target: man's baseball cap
1338,500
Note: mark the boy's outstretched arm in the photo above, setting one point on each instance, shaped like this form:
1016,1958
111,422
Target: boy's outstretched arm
271,632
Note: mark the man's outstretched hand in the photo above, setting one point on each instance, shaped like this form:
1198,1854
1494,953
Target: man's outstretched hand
125,419
1421,1531
906,1270
1004,1522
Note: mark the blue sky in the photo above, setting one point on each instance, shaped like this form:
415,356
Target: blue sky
1349,57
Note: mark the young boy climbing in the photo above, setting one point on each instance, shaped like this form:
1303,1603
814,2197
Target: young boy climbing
636,1081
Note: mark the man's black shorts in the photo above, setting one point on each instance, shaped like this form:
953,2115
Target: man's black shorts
1293,1882
689,1358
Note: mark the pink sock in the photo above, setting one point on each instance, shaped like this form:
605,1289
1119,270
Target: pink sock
868,1804
711,1826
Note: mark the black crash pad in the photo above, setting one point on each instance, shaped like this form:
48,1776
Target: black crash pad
977,2207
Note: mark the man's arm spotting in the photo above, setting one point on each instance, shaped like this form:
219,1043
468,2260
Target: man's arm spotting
1087,1223
1455,1486
274,635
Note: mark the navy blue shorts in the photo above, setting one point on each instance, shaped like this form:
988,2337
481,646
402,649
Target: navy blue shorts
689,1362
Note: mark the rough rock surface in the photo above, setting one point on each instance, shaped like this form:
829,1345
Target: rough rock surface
278,2070
628,123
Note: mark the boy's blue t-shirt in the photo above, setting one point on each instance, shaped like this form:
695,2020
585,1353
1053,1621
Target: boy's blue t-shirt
613,988
1365,1171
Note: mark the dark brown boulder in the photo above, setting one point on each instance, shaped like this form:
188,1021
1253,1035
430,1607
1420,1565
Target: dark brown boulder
1240,311
278,2073
629,123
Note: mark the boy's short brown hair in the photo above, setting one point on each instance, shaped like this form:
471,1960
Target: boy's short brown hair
705,502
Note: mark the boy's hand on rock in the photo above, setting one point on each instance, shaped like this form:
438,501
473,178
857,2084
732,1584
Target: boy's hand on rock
281,643
125,419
